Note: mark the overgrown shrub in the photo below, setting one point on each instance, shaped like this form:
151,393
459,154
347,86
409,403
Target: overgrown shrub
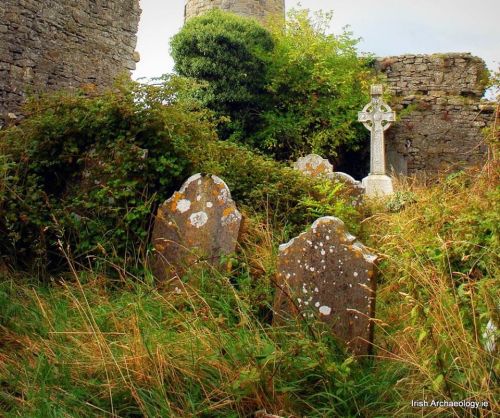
232,55
87,171
317,84
288,92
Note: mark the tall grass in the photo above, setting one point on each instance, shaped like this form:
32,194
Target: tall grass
78,347
439,287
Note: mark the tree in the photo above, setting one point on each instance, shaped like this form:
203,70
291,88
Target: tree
318,83
231,54
292,90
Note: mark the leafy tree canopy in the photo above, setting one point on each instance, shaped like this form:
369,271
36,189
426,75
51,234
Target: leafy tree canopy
232,55
289,90
318,83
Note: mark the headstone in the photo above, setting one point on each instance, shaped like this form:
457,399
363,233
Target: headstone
314,166
325,273
355,188
376,117
199,223
346,178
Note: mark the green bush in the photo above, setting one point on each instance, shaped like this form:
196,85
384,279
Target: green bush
288,91
231,54
86,169
86,172
317,83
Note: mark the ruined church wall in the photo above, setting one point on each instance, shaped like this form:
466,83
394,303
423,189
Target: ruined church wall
57,44
442,115
257,9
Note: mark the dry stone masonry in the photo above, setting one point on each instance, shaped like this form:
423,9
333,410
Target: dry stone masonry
325,273
257,9
198,223
441,126
54,44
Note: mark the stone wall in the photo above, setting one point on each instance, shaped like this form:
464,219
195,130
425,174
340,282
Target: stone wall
442,116
56,44
257,9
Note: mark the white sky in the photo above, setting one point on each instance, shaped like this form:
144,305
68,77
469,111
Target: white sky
388,27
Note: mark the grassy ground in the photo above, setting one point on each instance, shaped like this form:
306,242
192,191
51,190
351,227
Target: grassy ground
78,348
86,345
439,286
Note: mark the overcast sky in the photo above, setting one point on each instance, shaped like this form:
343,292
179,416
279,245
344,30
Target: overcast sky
387,27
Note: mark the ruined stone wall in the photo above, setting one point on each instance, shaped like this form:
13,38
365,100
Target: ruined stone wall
55,44
257,9
442,116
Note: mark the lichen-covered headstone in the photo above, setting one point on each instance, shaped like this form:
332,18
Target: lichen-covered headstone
314,166
199,223
354,186
345,178
325,273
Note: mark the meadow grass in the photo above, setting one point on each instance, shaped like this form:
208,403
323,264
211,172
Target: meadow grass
89,345
84,345
438,288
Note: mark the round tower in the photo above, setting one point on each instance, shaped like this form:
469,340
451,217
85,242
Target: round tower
257,9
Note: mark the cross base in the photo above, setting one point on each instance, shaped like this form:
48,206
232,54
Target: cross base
377,185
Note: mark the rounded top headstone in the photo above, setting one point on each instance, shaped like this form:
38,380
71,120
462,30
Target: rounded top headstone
325,273
198,223
314,165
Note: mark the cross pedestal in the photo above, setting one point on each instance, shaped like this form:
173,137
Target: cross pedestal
377,117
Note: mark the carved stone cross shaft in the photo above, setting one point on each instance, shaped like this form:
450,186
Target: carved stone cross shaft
377,117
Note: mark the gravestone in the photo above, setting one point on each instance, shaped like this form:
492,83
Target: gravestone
199,223
314,165
376,117
325,273
345,178
356,188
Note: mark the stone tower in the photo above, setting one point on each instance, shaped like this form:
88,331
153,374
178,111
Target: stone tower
257,9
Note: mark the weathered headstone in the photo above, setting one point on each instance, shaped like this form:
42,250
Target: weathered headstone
199,223
346,178
327,274
314,166
376,117
355,187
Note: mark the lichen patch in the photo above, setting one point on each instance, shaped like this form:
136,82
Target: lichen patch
325,310
198,219
183,205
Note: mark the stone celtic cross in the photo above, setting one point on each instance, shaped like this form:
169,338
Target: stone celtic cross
377,117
